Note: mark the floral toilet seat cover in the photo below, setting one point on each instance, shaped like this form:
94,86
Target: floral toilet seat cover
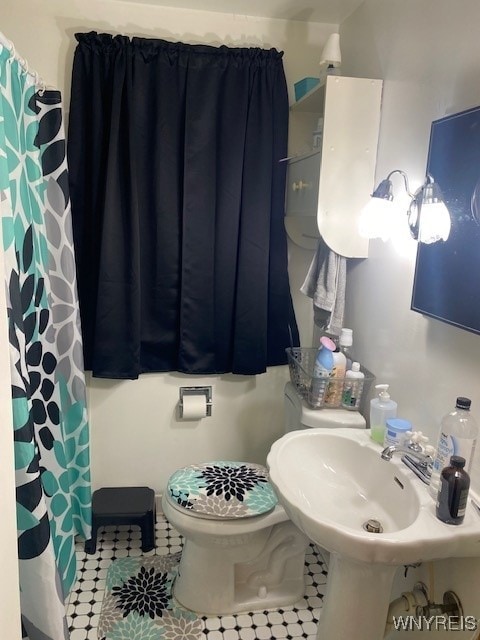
223,489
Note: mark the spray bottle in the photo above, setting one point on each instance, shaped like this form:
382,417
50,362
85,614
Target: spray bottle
381,409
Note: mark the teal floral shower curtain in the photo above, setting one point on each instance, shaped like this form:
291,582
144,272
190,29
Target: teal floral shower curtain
50,430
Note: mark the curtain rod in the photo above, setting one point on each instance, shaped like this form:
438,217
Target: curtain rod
39,81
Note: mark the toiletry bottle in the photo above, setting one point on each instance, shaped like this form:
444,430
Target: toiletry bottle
333,393
318,134
353,387
396,431
322,371
381,409
458,436
453,492
345,342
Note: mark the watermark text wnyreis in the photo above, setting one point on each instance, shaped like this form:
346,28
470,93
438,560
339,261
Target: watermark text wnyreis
435,623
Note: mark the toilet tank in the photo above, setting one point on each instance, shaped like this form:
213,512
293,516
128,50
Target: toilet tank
298,414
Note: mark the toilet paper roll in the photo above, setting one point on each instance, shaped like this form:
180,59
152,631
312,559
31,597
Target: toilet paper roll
194,407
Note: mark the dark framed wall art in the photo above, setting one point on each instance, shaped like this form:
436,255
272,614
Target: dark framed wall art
447,274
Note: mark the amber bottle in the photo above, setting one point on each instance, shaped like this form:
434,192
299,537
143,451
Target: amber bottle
453,492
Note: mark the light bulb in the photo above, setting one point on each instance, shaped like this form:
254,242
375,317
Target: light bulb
375,219
435,223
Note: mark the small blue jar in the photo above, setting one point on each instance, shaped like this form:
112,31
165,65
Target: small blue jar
396,431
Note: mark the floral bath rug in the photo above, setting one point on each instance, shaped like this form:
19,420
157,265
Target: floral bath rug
138,602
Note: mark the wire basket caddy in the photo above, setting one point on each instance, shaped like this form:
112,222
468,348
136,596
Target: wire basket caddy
325,392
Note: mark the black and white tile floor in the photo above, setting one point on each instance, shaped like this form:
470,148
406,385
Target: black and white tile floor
85,601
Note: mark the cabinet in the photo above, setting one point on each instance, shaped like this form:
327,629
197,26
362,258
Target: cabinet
327,187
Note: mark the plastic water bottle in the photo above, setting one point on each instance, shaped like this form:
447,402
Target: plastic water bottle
322,371
353,387
458,437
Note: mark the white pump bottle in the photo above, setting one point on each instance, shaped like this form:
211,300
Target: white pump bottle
381,409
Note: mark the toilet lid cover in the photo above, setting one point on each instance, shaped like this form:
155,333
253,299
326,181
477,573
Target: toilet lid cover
223,489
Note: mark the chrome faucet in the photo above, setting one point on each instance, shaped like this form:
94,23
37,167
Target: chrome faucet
418,458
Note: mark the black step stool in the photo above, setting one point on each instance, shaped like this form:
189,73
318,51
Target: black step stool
124,505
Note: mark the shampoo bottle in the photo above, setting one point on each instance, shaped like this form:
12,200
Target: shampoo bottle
353,387
381,409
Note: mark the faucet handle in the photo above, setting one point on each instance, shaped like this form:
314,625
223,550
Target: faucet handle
411,437
418,437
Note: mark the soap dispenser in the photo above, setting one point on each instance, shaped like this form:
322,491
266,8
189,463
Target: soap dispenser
382,409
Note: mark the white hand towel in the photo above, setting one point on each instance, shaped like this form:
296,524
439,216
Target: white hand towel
325,284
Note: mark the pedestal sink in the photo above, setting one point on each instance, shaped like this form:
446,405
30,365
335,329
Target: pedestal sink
370,514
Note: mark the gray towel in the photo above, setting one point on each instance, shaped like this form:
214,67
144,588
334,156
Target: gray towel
325,284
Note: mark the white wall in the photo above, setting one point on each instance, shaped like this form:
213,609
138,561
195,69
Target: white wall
135,436
428,54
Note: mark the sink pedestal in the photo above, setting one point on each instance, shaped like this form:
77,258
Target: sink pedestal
357,600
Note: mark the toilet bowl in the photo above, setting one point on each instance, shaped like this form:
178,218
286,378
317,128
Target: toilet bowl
241,552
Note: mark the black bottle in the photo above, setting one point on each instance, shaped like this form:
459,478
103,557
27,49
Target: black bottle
453,492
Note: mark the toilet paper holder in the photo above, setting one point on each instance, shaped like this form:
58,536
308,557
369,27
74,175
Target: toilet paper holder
196,391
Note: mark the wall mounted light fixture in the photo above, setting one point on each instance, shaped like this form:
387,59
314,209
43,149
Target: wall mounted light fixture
427,216
331,57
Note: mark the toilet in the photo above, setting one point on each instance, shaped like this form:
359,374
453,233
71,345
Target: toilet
241,553
298,415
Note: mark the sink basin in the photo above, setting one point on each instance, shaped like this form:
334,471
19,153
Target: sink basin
332,482
337,480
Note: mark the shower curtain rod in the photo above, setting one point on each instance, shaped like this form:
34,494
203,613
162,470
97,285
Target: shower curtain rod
39,81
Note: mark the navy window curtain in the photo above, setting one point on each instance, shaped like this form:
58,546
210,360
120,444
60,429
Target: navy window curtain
178,202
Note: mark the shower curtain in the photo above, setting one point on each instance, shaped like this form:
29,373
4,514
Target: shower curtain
50,428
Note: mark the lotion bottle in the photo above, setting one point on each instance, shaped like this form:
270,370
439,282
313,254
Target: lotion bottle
381,409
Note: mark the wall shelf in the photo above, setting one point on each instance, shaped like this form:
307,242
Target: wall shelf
311,102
